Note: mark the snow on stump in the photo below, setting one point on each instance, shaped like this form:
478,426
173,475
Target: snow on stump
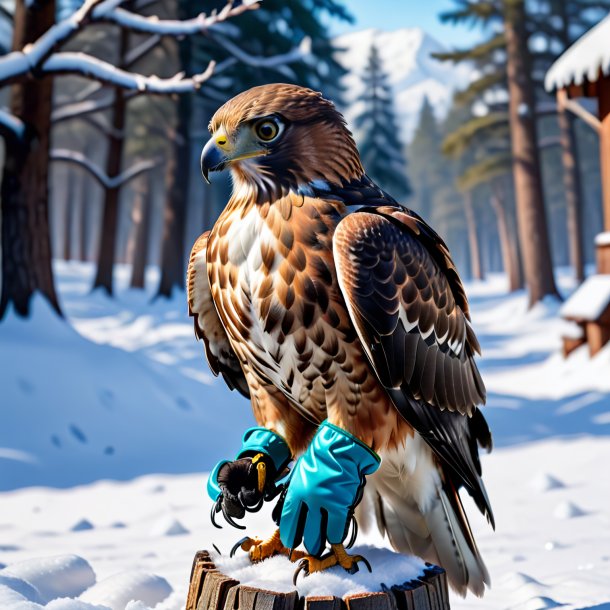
210,589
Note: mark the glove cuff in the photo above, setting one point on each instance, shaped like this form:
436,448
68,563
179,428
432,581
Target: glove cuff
341,440
262,440
214,490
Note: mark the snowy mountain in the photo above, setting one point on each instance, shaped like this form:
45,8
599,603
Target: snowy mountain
414,73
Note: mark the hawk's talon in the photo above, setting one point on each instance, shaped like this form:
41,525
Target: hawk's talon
239,544
303,566
230,520
250,509
337,556
214,511
354,534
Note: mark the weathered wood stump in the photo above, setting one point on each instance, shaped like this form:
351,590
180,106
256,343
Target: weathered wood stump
211,590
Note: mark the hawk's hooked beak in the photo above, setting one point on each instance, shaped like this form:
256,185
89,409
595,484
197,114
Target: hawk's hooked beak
213,159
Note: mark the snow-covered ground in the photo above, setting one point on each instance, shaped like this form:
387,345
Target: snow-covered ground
124,392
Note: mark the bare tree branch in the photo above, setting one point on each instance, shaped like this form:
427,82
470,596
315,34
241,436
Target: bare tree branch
171,27
257,61
10,126
141,50
97,69
107,182
78,109
101,123
33,57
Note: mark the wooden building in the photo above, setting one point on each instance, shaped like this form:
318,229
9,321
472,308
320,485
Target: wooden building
583,71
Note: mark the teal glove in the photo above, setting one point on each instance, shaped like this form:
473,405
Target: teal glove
243,484
325,486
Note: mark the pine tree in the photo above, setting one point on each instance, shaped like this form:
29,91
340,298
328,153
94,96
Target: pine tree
510,41
425,161
380,146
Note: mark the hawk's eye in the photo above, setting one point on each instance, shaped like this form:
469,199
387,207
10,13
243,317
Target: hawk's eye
267,129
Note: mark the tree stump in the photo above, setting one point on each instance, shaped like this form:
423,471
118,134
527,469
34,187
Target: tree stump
211,590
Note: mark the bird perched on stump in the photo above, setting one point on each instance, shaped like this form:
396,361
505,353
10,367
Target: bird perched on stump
340,314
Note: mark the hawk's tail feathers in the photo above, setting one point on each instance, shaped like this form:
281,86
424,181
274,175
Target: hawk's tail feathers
439,533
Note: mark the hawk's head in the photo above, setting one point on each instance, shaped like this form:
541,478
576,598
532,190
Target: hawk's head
281,137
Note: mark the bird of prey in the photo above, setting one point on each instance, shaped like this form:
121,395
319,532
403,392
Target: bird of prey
340,314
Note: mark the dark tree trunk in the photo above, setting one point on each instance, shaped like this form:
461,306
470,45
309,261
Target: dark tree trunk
174,217
114,163
69,214
573,191
531,215
509,244
142,239
476,262
571,173
85,218
26,248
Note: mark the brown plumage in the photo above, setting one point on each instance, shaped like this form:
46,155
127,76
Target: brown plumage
319,296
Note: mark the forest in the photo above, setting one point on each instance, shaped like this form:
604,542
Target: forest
106,113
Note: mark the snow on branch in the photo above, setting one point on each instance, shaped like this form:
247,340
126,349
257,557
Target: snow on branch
35,57
10,126
274,61
97,69
170,27
79,109
107,182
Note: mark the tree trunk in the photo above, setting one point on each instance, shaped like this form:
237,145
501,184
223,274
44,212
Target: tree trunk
571,172
69,215
533,231
114,163
508,243
142,239
178,178
26,248
85,219
476,263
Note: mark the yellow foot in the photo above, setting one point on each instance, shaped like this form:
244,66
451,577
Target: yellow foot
337,556
263,549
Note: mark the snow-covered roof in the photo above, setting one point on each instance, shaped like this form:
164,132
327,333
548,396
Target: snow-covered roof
583,60
589,301
602,239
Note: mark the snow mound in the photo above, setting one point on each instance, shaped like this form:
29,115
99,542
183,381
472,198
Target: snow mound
276,574
21,587
168,526
82,525
53,577
544,481
118,590
537,603
568,510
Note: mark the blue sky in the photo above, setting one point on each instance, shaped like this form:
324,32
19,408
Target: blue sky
394,14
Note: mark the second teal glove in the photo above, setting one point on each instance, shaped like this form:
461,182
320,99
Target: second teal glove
325,485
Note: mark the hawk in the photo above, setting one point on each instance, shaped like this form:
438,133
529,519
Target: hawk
340,314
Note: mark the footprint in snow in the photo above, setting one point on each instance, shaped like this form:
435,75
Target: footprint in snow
568,510
546,482
78,434
82,525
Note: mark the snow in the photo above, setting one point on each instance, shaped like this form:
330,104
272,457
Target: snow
413,73
602,239
129,375
589,301
583,60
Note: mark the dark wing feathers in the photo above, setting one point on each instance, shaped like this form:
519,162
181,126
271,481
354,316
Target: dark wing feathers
410,311
400,295
218,350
